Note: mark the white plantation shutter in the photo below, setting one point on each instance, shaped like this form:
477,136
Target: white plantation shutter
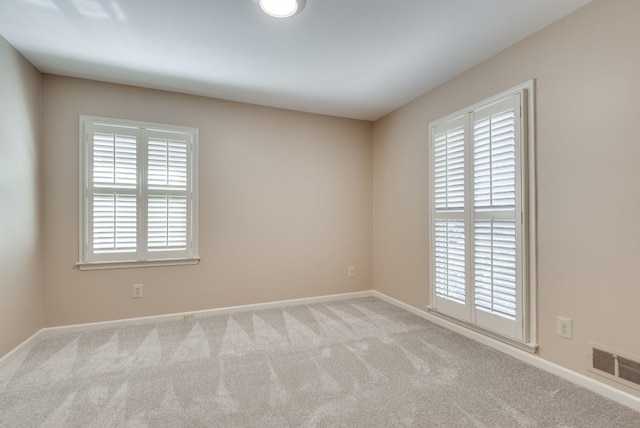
477,211
494,146
138,192
449,217
168,192
112,192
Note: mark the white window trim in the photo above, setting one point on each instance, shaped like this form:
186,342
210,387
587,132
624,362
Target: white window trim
193,257
138,264
530,342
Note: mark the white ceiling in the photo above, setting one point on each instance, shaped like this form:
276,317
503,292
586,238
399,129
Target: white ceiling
353,58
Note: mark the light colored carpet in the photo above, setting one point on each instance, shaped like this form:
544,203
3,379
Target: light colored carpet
354,363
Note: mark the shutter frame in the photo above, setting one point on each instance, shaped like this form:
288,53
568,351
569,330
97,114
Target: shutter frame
89,252
522,216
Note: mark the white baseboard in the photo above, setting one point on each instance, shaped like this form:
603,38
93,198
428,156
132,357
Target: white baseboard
22,347
74,328
579,379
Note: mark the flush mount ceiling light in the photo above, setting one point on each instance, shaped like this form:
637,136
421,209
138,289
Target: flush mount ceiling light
282,8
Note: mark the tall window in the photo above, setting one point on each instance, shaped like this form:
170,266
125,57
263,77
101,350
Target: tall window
138,191
480,208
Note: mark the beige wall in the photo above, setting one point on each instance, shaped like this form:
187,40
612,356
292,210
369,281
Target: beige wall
285,205
587,69
21,292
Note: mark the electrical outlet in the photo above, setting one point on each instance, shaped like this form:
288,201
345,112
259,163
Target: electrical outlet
136,291
564,327
351,272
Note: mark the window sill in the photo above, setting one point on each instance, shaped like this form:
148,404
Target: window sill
530,347
137,264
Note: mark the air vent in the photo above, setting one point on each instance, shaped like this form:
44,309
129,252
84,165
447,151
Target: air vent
612,365
629,370
604,361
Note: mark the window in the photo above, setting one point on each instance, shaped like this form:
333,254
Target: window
481,161
138,192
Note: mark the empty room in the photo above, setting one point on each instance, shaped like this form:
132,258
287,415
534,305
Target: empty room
319,213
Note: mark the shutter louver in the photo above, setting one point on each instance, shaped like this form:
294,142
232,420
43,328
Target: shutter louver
495,266
114,223
167,163
450,259
114,160
167,223
495,162
449,169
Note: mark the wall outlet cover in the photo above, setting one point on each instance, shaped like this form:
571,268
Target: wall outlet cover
564,327
137,290
351,272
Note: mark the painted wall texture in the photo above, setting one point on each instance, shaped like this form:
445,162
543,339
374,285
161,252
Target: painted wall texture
285,205
21,260
586,69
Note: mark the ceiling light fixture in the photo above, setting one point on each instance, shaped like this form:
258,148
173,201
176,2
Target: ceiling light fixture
282,8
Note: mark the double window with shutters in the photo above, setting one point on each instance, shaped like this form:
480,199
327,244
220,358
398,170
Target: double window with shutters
481,162
138,192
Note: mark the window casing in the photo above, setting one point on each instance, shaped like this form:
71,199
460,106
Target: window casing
138,192
482,216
